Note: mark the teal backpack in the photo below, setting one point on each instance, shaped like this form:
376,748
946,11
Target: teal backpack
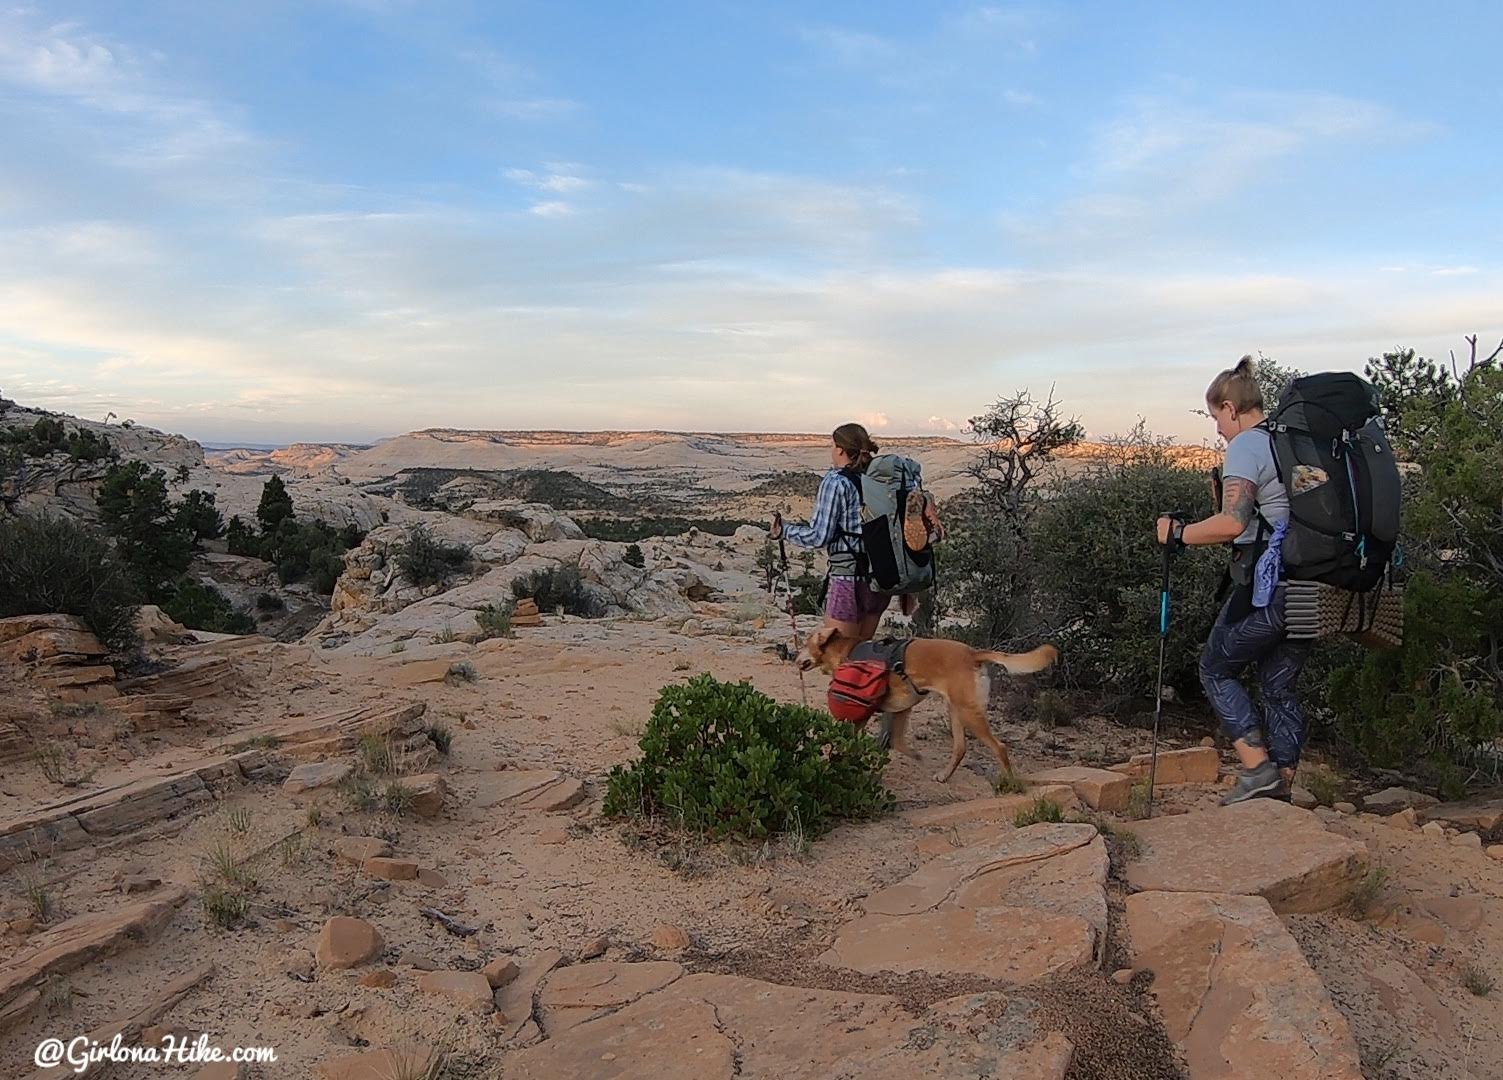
887,564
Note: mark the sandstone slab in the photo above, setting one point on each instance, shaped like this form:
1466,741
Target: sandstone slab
716,1027
1100,789
1260,847
470,990
500,971
428,791
314,775
514,1000
1196,765
356,849
75,942
1484,815
1235,991
347,942
544,790
390,869
1001,809
575,995
1028,903
1393,799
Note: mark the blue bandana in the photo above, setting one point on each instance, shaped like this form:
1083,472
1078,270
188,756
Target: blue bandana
1270,567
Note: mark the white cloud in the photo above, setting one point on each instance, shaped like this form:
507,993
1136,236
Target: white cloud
544,108
552,209
853,47
548,181
874,421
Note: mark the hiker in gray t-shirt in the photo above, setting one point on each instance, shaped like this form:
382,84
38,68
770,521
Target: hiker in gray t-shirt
1254,513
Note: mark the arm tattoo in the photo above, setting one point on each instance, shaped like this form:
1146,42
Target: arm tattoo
1239,499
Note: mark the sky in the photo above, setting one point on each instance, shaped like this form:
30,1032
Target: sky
344,219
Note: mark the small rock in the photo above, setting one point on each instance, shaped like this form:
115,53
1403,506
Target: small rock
1344,808
432,879
315,775
347,942
669,938
23,925
1495,852
1406,820
283,926
390,869
470,852
417,962
1208,741
469,989
356,849
1302,798
1468,840
299,965
553,836
384,979
428,791
1435,830
597,948
500,971
155,1034
1122,977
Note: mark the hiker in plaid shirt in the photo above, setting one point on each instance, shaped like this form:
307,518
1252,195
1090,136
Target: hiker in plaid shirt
836,526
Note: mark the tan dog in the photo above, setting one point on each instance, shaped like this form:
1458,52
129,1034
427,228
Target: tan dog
949,668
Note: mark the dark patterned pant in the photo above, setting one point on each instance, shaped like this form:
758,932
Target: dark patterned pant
1257,639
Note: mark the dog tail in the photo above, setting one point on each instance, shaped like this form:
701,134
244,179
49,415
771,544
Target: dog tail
1020,663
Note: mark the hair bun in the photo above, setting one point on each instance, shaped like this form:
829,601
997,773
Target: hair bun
1246,366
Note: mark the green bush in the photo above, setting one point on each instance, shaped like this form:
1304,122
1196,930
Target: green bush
149,535
269,602
241,539
1441,693
633,556
559,588
1096,570
426,560
198,515
203,607
494,621
726,759
55,565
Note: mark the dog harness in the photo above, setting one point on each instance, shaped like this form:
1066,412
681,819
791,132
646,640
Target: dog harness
860,684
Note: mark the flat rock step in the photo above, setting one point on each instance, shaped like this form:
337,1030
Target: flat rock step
1235,991
313,738
543,790
657,1024
1025,905
1261,847
70,945
78,821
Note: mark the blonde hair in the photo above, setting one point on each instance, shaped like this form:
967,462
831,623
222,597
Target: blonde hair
1238,385
857,444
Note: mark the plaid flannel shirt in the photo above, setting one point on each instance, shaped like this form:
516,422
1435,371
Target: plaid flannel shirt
835,524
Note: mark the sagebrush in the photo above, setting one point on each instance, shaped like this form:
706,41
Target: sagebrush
559,588
727,760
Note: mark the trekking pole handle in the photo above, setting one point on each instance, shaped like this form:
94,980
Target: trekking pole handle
1169,549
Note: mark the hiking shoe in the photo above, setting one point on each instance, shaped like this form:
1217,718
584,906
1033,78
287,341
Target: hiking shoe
1254,782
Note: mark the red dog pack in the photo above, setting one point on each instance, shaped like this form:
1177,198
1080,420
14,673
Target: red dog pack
857,689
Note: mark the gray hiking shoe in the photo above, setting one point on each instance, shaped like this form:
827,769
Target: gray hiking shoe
1254,782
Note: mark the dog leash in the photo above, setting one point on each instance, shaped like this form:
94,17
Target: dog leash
793,620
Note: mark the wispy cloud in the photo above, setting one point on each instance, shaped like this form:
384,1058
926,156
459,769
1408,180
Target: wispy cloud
550,180
551,209
544,108
849,46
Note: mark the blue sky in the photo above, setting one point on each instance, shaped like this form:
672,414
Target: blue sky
344,220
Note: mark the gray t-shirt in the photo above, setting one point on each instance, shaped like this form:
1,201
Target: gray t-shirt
1249,456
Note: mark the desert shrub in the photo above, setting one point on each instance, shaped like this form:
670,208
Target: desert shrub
494,621
633,556
1096,570
198,515
85,445
726,759
559,587
1040,810
55,565
426,560
269,602
149,536
200,606
241,539
1441,693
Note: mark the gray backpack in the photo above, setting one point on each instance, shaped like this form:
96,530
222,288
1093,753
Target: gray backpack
887,564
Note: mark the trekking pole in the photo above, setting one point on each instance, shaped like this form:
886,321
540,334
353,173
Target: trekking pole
803,691
1158,700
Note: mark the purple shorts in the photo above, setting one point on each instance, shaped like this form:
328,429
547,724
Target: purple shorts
849,600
